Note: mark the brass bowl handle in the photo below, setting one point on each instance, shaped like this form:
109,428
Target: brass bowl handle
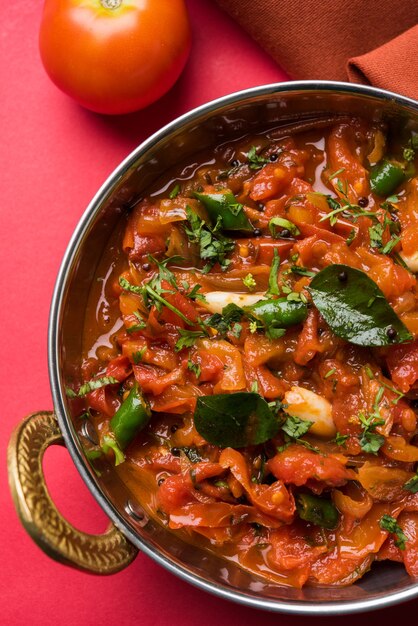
99,554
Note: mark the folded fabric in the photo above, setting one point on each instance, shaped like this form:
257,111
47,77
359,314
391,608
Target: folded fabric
368,41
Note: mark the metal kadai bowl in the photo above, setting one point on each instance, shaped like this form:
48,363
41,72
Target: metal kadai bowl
248,111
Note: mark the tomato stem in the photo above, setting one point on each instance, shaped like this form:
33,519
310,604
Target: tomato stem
110,4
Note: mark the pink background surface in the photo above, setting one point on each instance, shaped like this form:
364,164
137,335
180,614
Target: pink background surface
53,157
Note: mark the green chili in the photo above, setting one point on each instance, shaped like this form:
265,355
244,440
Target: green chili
280,313
318,511
133,415
226,207
385,177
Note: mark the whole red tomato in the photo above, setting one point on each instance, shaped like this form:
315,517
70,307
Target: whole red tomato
114,56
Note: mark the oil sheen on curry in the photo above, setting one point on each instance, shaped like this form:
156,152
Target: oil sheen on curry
250,354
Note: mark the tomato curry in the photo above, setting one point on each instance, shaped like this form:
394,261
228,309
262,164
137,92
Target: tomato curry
251,352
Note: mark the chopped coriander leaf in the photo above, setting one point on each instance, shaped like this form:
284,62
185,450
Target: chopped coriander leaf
138,355
223,322
412,484
194,367
295,427
134,328
214,247
389,523
174,192
387,249
127,286
236,330
378,398
188,338
369,372
91,385
337,173
376,233
275,333
163,272
352,211
351,237
393,390
333,203
370,441
139,318
159,299
255,160
340,439
227,173
249,282
277,405
342,187
195,295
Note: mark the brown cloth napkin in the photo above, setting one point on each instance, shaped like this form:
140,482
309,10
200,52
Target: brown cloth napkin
369,41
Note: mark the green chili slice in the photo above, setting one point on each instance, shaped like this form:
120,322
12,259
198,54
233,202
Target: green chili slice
280,313
131,417
385,177
226,207
318,511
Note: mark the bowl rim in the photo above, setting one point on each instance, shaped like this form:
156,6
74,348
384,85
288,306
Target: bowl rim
280,606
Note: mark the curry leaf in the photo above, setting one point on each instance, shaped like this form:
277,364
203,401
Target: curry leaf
355,308
295,428
389,523
235,419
